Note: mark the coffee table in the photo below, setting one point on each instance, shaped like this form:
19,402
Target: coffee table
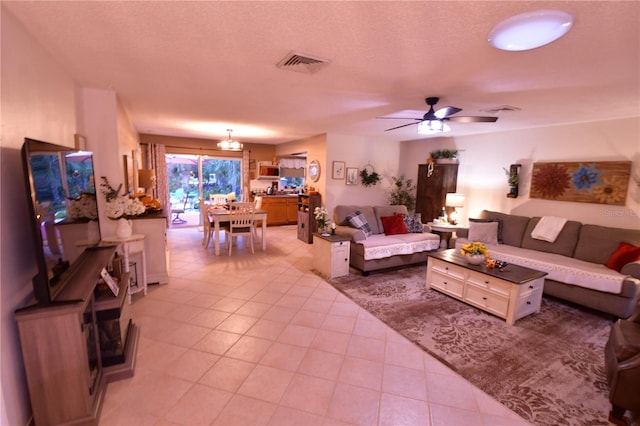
511,293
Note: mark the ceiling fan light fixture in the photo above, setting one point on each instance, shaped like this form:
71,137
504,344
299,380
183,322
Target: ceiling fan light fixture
431,127
229,144
530,30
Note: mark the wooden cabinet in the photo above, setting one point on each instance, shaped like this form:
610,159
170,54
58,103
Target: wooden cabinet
307,225
433,187
331,255
61,349
281,209
155,246
500,297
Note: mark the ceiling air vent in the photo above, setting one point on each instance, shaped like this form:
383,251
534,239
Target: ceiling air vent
502,108
300,62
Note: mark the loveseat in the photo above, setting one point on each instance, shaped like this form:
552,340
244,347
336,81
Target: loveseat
576,261
372,248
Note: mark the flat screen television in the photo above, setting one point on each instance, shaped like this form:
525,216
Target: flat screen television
62,205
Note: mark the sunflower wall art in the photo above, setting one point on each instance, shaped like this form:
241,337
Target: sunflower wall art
602,182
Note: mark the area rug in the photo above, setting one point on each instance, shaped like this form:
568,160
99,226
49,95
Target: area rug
548,367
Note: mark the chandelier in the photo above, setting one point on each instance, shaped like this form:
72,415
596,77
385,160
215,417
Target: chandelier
229,144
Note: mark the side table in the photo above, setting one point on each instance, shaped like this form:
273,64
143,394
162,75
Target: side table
331,255
134,244
445,231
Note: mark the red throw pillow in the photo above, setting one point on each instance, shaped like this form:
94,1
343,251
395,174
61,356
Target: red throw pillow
625,253
393,224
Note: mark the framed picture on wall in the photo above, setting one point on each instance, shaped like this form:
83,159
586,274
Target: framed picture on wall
352,176
337,170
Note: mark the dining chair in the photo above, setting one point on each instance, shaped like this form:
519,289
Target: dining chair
207,226
241,222
257,204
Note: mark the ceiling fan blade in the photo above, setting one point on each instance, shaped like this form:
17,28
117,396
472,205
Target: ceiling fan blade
447,111
472,119
400,118
404,125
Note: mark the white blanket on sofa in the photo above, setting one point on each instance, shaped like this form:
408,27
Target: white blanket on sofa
548,228
380,246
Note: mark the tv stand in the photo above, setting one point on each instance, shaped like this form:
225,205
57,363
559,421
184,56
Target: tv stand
61,347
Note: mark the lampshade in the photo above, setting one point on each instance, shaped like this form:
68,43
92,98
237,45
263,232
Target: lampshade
530,30
454,200
430,127
146,178
229,144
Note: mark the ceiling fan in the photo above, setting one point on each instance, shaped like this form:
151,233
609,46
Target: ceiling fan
434,121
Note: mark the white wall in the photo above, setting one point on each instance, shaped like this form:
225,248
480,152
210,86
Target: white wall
482,179
37,102
357,151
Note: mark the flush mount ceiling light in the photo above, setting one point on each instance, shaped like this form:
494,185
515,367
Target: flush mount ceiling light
431,127
230,145
530,30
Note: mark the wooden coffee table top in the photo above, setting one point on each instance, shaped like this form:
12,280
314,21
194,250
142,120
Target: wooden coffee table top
513,273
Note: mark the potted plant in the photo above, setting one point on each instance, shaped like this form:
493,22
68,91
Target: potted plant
402,192
367,178
445,156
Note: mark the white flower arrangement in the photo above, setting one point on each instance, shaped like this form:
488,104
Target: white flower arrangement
322,217
120,206
83,207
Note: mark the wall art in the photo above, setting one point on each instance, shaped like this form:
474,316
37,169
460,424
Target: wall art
601,182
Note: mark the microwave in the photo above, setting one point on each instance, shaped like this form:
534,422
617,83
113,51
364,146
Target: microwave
268,171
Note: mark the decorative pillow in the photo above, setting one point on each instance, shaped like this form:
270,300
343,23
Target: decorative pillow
358,221
483,232
625,253
393,224
413,222
500,240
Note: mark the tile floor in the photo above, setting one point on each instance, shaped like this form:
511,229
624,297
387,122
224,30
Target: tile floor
261,340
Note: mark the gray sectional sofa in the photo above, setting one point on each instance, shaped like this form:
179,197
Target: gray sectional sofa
379,251
576,261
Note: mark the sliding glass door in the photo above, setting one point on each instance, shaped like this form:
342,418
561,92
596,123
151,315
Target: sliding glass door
191,177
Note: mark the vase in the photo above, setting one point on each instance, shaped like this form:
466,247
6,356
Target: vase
123,228
475,259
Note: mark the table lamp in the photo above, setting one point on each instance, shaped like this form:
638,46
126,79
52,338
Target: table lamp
147,180
454,200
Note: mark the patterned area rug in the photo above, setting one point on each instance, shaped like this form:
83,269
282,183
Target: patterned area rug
548,367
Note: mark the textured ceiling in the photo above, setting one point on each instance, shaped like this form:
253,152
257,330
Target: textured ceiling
198,68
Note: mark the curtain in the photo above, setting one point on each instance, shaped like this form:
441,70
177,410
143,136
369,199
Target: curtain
157,160
245,175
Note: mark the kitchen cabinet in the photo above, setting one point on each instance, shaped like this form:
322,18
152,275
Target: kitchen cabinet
281,209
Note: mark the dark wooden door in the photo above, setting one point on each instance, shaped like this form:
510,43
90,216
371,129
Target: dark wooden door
432,190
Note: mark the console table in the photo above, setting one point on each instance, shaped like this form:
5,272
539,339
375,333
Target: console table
133,244
511,293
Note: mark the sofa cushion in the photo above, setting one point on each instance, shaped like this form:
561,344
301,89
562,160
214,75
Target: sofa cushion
380,211
393,225
513,226
358,221
413,222
341,212
564,244
484,232
597,243
625,253
499,221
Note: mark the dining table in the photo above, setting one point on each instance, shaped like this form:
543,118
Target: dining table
221,215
